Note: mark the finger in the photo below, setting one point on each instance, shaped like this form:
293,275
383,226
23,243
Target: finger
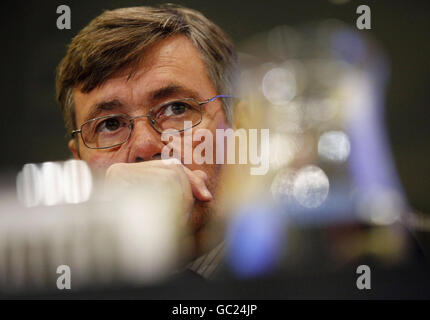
201,174
197,179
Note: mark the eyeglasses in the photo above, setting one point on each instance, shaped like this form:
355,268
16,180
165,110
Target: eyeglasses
115,129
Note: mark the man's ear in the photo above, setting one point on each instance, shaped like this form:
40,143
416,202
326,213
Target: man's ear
74,149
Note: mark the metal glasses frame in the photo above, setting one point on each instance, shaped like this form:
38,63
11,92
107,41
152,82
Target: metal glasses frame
148,115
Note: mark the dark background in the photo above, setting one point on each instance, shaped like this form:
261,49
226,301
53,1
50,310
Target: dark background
31,124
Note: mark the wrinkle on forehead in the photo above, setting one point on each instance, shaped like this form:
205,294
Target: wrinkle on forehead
175,57
163,55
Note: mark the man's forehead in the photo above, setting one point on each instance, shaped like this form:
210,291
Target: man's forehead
174,54
171,63
167,52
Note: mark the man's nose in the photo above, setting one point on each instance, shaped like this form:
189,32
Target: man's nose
145,142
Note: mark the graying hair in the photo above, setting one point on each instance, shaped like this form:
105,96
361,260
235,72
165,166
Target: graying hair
117,39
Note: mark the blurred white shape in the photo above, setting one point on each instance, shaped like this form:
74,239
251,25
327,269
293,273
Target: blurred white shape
52,177
131,239
77,181
282,150
135,236
311,186
54,183
279,85
28,185
148,233
283,185
381,206
334,146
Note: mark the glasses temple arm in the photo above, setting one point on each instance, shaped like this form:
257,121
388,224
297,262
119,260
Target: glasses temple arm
216,97
75,132
220,96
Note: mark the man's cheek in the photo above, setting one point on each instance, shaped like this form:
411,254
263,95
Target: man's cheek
99,162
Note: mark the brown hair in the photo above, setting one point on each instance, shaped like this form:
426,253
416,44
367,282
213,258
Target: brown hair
117,39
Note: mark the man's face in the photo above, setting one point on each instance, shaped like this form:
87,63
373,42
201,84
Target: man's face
171,69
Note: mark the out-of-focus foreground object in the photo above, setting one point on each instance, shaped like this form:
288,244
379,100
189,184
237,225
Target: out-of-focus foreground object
108,238
332,198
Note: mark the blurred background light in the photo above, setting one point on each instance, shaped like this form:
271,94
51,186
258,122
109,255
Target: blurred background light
381,206
279,85
282,187
334,146
311,186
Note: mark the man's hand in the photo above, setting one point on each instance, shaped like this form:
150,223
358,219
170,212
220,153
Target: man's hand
170,174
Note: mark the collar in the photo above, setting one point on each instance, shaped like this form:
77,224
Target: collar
206,264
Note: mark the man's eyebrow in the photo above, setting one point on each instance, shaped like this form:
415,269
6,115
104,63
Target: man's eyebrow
172,90
168,91
98,108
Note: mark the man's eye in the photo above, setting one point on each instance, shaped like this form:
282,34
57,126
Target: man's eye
174,109
109,125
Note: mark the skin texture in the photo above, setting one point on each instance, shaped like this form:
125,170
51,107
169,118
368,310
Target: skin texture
174,61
